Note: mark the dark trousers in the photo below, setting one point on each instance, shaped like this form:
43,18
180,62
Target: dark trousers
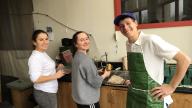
95,105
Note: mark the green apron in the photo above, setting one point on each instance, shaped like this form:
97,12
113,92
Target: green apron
139,95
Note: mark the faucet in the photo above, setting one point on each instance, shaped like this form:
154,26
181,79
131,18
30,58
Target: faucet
106,59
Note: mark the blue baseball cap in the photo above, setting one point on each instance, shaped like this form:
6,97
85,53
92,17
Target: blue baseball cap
123,16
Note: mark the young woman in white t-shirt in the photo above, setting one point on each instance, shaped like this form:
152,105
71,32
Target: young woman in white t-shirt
42,72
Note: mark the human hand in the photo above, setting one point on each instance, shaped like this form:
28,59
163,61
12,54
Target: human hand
106,73
60,66
127,82
67,70
59,74
162,91
100,70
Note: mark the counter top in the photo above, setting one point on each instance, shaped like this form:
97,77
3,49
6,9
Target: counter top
125,75
116,85
183,90
178,89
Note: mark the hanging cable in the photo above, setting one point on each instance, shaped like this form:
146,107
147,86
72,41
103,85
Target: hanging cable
46,15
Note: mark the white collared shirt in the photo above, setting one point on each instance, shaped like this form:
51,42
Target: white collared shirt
155,50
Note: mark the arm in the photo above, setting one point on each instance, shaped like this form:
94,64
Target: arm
55,76
90,73
63,68
107,71
106,74
183,62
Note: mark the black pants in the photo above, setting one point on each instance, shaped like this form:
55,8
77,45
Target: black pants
95,105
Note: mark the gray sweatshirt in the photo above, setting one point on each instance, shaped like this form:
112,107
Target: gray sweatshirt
86,81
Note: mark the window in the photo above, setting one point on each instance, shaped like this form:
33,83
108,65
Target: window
16,24
157,13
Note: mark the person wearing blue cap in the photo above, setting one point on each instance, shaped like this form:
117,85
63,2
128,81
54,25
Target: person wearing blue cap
146,54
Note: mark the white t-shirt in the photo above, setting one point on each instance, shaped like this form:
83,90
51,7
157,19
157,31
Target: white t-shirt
40,64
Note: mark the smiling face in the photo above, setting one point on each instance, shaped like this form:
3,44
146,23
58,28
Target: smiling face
82,42
41,42
128,28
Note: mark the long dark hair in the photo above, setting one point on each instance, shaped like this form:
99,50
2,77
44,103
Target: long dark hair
35,35
74,40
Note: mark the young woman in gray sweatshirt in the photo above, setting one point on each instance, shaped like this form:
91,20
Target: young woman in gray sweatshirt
86,81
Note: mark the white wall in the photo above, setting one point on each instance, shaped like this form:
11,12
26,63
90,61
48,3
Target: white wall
178,36
96,17
92,16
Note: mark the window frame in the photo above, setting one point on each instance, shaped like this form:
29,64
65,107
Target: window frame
117,11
